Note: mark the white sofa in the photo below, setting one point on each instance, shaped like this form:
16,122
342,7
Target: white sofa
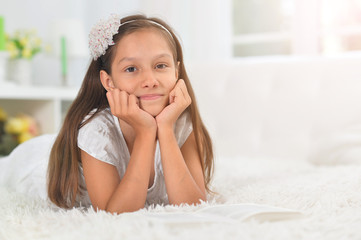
279,107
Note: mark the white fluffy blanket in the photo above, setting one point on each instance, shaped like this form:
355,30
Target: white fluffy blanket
328,196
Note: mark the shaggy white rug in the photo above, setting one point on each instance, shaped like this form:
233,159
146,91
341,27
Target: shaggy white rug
328,196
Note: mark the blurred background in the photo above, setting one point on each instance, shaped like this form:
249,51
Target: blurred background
202,25
210,31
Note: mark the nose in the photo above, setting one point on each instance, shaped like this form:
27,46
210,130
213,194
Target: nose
149,79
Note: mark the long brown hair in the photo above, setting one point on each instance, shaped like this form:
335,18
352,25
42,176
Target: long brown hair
64,163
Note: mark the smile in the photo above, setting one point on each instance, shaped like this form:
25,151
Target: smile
148,97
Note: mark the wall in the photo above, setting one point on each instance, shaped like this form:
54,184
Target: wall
203,26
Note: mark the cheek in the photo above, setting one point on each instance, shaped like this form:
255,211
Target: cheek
170,84
123,86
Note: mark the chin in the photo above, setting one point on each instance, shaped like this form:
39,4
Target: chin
153,110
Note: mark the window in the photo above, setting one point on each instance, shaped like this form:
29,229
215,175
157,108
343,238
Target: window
262,27
341,21
293,27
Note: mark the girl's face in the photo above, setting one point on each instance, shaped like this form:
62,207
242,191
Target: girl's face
144,66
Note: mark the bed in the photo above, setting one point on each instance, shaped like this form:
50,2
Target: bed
287,134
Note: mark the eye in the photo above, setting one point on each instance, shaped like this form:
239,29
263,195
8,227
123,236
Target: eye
130,69
161,66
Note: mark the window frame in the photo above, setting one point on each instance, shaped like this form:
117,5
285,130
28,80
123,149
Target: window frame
306,35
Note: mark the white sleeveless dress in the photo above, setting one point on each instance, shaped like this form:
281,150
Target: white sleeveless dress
24,170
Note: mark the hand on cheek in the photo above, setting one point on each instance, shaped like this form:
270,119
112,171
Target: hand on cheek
179,100
126,107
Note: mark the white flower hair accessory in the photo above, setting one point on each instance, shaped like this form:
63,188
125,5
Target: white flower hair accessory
101,35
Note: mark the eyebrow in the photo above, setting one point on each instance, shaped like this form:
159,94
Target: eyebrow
125,59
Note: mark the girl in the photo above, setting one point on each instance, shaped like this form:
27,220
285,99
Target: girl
133,136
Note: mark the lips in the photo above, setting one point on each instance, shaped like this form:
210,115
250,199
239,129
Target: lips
148,97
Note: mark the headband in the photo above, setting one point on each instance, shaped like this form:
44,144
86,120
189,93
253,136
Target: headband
101,34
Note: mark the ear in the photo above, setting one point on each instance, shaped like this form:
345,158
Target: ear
106,80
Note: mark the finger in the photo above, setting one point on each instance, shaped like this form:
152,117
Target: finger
181,89
110,100
117,101
177,95
123,102
182,86
185,92
186,99
114,102
172,96
133,102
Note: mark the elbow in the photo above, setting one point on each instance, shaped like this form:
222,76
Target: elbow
190,201
118,211
122,209
112,210
201,199
106,208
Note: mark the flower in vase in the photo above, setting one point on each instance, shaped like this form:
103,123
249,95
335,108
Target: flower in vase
23,44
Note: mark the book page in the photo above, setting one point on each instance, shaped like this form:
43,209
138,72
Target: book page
228,214
250,210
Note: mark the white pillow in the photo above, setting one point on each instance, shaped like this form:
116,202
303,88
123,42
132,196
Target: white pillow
24,170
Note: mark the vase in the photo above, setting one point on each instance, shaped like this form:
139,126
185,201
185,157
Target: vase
20,71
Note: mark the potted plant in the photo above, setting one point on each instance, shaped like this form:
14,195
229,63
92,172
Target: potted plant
22,46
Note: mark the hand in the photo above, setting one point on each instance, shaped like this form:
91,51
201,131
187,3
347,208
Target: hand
126,107
179,100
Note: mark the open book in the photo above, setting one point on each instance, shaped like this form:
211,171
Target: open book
228,214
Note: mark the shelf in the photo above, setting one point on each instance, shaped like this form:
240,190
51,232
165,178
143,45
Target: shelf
11,91
48,105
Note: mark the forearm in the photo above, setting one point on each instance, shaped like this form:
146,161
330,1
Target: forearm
131,193
180,184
